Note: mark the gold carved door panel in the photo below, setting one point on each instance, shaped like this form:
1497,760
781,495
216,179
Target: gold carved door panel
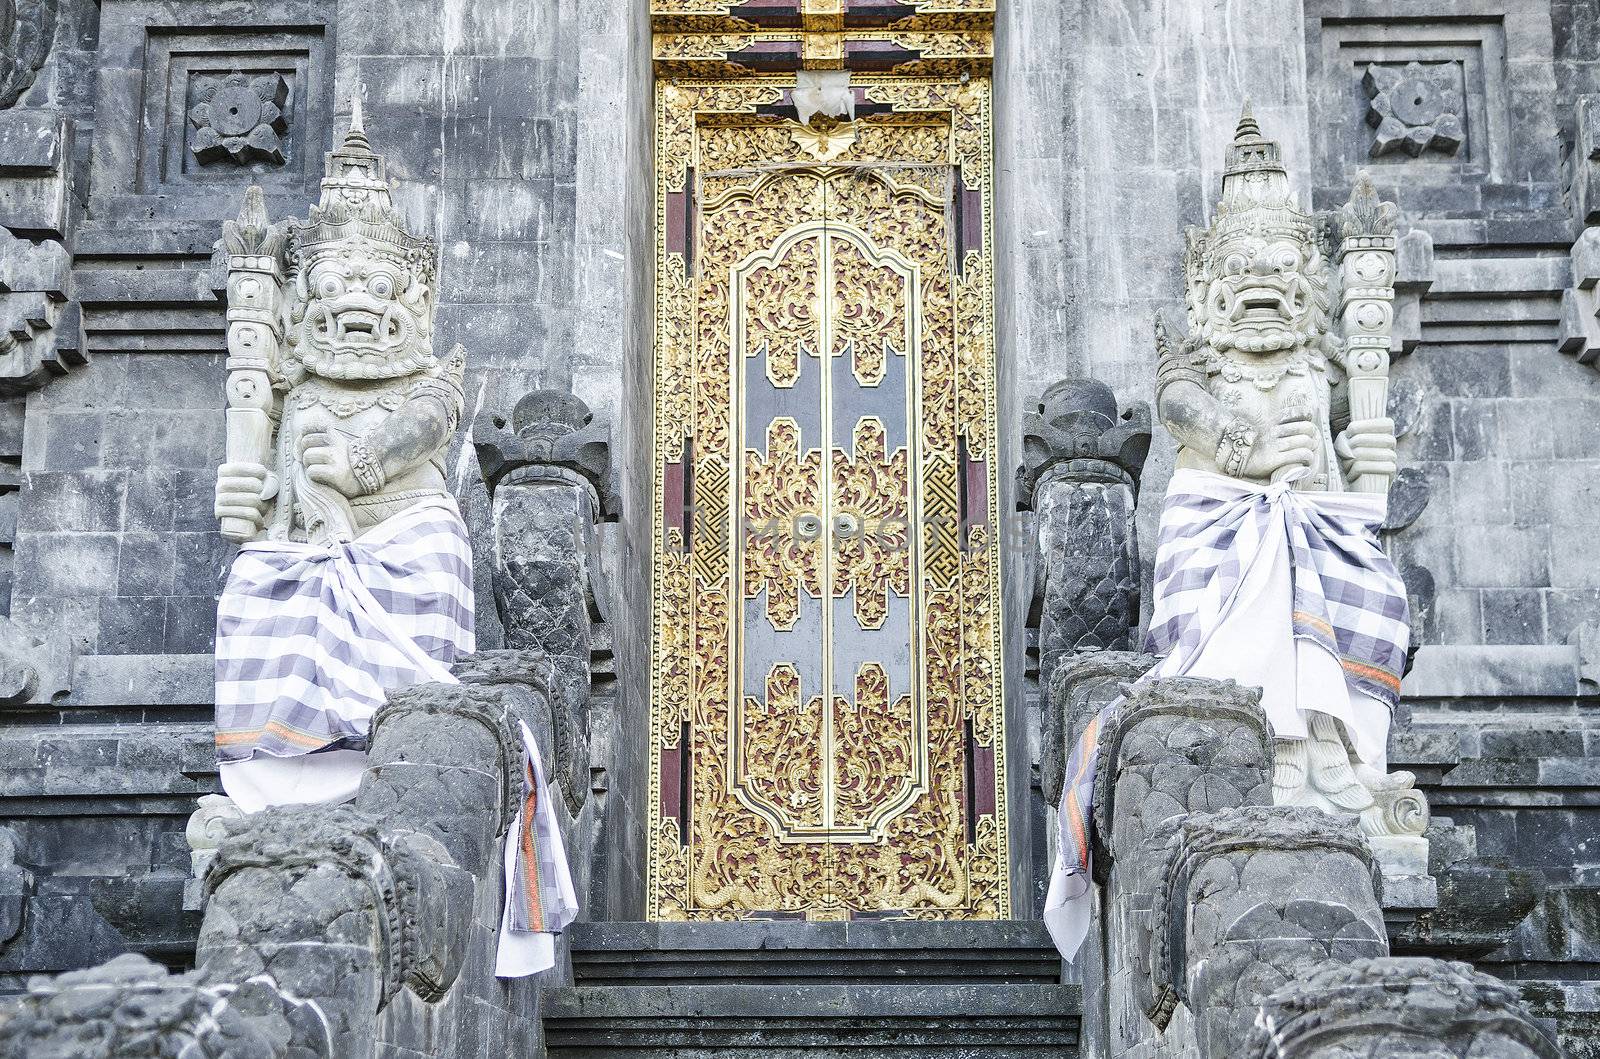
827,737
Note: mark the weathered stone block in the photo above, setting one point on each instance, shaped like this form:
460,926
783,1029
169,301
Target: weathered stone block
1391,1006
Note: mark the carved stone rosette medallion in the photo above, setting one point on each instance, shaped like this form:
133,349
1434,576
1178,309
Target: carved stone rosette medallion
828,739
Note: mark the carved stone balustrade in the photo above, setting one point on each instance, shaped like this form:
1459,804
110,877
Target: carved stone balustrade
133,1009
1080,686
336,908
1173,748
379,918
1253,898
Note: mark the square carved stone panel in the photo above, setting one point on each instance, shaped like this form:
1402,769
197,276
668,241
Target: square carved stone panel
238,118
1416,107
195,103
1417,95
230,110
1450,109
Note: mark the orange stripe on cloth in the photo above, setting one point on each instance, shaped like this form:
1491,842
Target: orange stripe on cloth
530,855
1090,736
277,728
1312,620
1371,672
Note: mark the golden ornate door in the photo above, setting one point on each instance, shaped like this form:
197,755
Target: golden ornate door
827,730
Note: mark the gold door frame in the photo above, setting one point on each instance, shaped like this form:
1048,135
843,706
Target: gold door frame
710,135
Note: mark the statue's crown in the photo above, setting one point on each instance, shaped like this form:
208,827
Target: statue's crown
356,204
1256,199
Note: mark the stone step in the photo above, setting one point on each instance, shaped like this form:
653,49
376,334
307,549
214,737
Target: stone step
774,952
990,1020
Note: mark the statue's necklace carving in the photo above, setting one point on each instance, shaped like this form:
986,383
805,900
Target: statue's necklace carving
1266,379
343,403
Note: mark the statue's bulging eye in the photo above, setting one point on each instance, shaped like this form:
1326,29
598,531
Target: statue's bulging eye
329,285
1234,264
381,284
1288,261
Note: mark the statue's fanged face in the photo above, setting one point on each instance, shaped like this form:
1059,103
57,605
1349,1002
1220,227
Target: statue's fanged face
1264,295
364,316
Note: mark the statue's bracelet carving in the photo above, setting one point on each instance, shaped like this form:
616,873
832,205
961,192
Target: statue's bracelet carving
1234,449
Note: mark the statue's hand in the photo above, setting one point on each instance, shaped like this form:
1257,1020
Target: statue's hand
1289,445
1367,447
327,462
243,490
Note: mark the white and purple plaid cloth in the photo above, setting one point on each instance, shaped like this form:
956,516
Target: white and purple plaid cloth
309,638
1345,597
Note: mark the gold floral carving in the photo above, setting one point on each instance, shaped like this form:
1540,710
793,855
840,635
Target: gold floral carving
803,800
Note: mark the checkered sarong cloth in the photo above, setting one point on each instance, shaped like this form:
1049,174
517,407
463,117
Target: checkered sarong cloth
1348,597
309,639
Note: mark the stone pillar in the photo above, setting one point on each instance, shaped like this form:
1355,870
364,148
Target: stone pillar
1080,473
548,469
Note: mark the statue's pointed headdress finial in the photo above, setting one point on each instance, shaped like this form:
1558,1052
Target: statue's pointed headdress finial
356,138
1247,128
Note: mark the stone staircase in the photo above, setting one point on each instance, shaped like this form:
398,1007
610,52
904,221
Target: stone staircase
789,989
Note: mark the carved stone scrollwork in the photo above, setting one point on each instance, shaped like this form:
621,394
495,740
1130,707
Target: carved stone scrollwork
418,899
1177,746
549,431
1080,473
1076,430
1080,686
1397,1006
442,755
133,1009
1255,897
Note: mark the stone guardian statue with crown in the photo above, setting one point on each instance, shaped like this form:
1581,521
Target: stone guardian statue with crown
354,574
1269,569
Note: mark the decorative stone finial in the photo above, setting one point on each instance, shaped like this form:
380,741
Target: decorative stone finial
549,429
1366,215
1077,429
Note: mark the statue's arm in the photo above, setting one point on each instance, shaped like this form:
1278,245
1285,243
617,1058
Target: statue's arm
415,433
1197,419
